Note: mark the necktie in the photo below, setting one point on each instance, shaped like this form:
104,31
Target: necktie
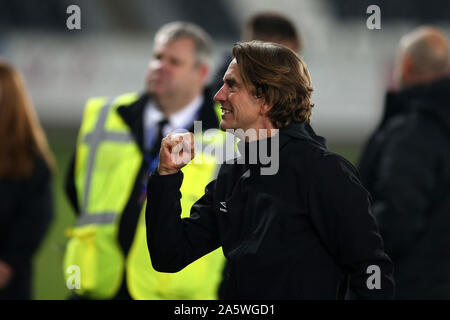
154,152
151,157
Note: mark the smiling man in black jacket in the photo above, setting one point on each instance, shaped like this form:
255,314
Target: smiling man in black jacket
302,232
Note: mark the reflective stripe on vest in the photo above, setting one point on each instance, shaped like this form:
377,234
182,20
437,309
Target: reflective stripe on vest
106,165
94,139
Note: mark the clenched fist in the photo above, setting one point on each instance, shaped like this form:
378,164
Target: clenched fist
176,151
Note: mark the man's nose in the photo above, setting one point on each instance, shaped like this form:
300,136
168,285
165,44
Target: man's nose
158,64
220,95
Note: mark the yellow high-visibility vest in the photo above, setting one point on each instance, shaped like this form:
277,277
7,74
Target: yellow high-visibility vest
107,163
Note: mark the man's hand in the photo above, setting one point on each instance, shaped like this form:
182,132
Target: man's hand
5,274
176,151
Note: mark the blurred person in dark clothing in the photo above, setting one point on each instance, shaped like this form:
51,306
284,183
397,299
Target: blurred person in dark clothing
406,167
26,165
263,26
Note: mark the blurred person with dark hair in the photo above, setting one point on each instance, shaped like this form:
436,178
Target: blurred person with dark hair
267,27
303,231
272,27
26,166
406,167
118,145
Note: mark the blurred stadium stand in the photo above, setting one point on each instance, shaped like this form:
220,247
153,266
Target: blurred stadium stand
112,15
350,65
419,11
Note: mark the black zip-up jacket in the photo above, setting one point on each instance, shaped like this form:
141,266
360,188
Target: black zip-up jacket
305,232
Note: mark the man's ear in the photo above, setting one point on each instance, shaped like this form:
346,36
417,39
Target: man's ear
265,108
407,66
203,70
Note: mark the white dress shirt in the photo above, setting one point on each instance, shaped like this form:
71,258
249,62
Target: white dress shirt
182,119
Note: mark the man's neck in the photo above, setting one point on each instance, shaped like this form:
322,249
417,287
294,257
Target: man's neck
263,131
414,81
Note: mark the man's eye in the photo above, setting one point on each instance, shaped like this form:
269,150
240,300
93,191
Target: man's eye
175,62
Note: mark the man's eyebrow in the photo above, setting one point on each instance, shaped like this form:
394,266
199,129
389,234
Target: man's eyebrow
230,81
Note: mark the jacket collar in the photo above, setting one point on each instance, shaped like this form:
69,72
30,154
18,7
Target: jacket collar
430,98
297,131
301,131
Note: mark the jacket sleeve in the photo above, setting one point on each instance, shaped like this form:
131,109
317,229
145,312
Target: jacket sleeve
175,242
404,187
341,213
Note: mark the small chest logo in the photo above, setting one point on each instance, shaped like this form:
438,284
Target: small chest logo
223,206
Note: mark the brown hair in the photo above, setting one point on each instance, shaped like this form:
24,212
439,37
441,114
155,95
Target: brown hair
21,136
271,27
277,74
